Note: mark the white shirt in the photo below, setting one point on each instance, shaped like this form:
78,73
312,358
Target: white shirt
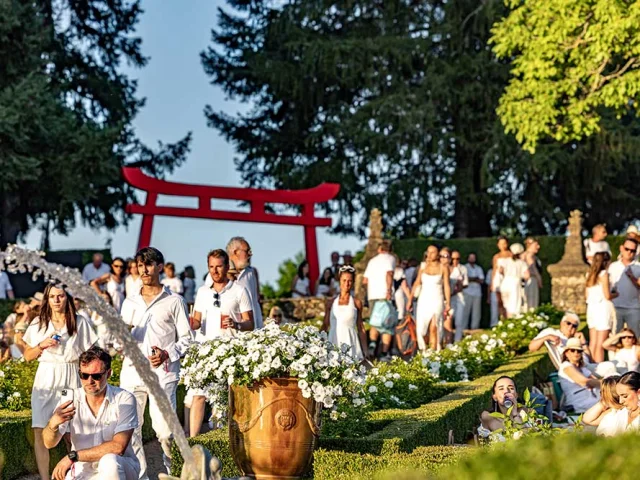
5,285
234,301
591,247
117,414
132,285
627,292
554,331
174,284
376,275
459,273
474,289
249,280
164,323
90,272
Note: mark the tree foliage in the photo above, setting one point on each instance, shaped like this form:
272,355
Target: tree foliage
66,113
571,59
287,270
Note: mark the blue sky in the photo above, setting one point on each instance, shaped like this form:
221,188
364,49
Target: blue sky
177,90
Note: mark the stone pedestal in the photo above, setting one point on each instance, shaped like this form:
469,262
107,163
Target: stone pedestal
568,276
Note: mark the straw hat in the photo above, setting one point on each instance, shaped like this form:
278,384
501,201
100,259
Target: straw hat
516,248
632,229
573,344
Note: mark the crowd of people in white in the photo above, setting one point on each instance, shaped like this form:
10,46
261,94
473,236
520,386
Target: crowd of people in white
166,314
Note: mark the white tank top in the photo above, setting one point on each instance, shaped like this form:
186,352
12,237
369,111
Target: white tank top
628,356
595,293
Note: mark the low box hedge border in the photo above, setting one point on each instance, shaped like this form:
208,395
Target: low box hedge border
412,435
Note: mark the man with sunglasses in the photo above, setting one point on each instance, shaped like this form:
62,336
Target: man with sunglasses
556,339
221,308
98,423
623,278
159,322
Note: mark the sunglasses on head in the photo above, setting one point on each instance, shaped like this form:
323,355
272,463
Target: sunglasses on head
216,299
347,268
95,376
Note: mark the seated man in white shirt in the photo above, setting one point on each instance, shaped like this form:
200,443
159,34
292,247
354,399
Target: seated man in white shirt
555,340
99,423
220,309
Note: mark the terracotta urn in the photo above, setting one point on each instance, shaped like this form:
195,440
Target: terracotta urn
273,429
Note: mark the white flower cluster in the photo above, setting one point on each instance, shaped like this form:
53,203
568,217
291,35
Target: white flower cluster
323,371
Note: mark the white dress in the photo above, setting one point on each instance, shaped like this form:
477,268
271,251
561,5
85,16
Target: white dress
627,355
302,285
116,292
398,295
511,289
622,424
58,368
343,328
132,285
600,311
575,395
430,307
608,425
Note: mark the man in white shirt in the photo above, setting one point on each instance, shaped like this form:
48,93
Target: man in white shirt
220,310
160,325
596,243
95,269
557,339
170,280
473,293
6,290
239,252
459,276
99,423
378,277
623,278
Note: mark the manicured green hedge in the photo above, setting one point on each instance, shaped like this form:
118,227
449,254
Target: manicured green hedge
403,432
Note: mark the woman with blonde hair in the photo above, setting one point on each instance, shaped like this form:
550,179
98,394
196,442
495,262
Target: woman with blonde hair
624,346
603,413
600,310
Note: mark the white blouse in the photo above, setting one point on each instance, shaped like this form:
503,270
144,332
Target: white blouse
70,348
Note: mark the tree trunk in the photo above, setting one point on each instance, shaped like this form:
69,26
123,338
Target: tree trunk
472,217
9,227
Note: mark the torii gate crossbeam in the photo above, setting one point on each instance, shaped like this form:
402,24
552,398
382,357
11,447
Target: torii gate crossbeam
257,199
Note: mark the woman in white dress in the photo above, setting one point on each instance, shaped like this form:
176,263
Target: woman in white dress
56,338
343,317
514,271
601,314
603,413
534,284
401,290
300,285
132,282
496,278
324,285
114,283
626,352
434,300
581,389
628,389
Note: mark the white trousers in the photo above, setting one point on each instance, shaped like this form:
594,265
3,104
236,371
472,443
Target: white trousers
495,310
458,303
630,316
472,311
158,422
110,467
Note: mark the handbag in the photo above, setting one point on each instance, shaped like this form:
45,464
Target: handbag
383,315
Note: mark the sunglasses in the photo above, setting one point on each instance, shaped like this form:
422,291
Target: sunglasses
118,266
455,258
630,250
628,336
216,299
574,350
248,252
574,325
444,256
95,376
277,316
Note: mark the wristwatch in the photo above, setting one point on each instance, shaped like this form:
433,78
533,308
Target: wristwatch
73,456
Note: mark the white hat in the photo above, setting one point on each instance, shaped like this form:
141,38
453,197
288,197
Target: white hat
516,248
632,229
573,344
606,369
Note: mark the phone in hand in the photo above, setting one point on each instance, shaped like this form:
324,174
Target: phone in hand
155,351
67,395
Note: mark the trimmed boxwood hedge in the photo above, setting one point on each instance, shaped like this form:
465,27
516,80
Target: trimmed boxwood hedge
404,434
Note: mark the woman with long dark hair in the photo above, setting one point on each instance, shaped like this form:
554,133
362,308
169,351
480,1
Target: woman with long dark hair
57,338
300,286
504,396
601,315
114,281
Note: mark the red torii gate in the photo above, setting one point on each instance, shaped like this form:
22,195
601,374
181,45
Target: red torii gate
257,198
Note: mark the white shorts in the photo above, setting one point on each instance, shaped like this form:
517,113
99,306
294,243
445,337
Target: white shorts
600,315
192,392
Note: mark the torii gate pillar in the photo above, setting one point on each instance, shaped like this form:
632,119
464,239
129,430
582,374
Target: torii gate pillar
257,199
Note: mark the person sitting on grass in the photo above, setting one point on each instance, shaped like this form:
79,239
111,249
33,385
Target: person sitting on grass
603,413
504,396
625,349
580,387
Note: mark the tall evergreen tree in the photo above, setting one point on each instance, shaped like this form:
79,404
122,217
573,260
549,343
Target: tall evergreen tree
66,113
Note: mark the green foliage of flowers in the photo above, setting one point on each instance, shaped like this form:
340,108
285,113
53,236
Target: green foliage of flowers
16,381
